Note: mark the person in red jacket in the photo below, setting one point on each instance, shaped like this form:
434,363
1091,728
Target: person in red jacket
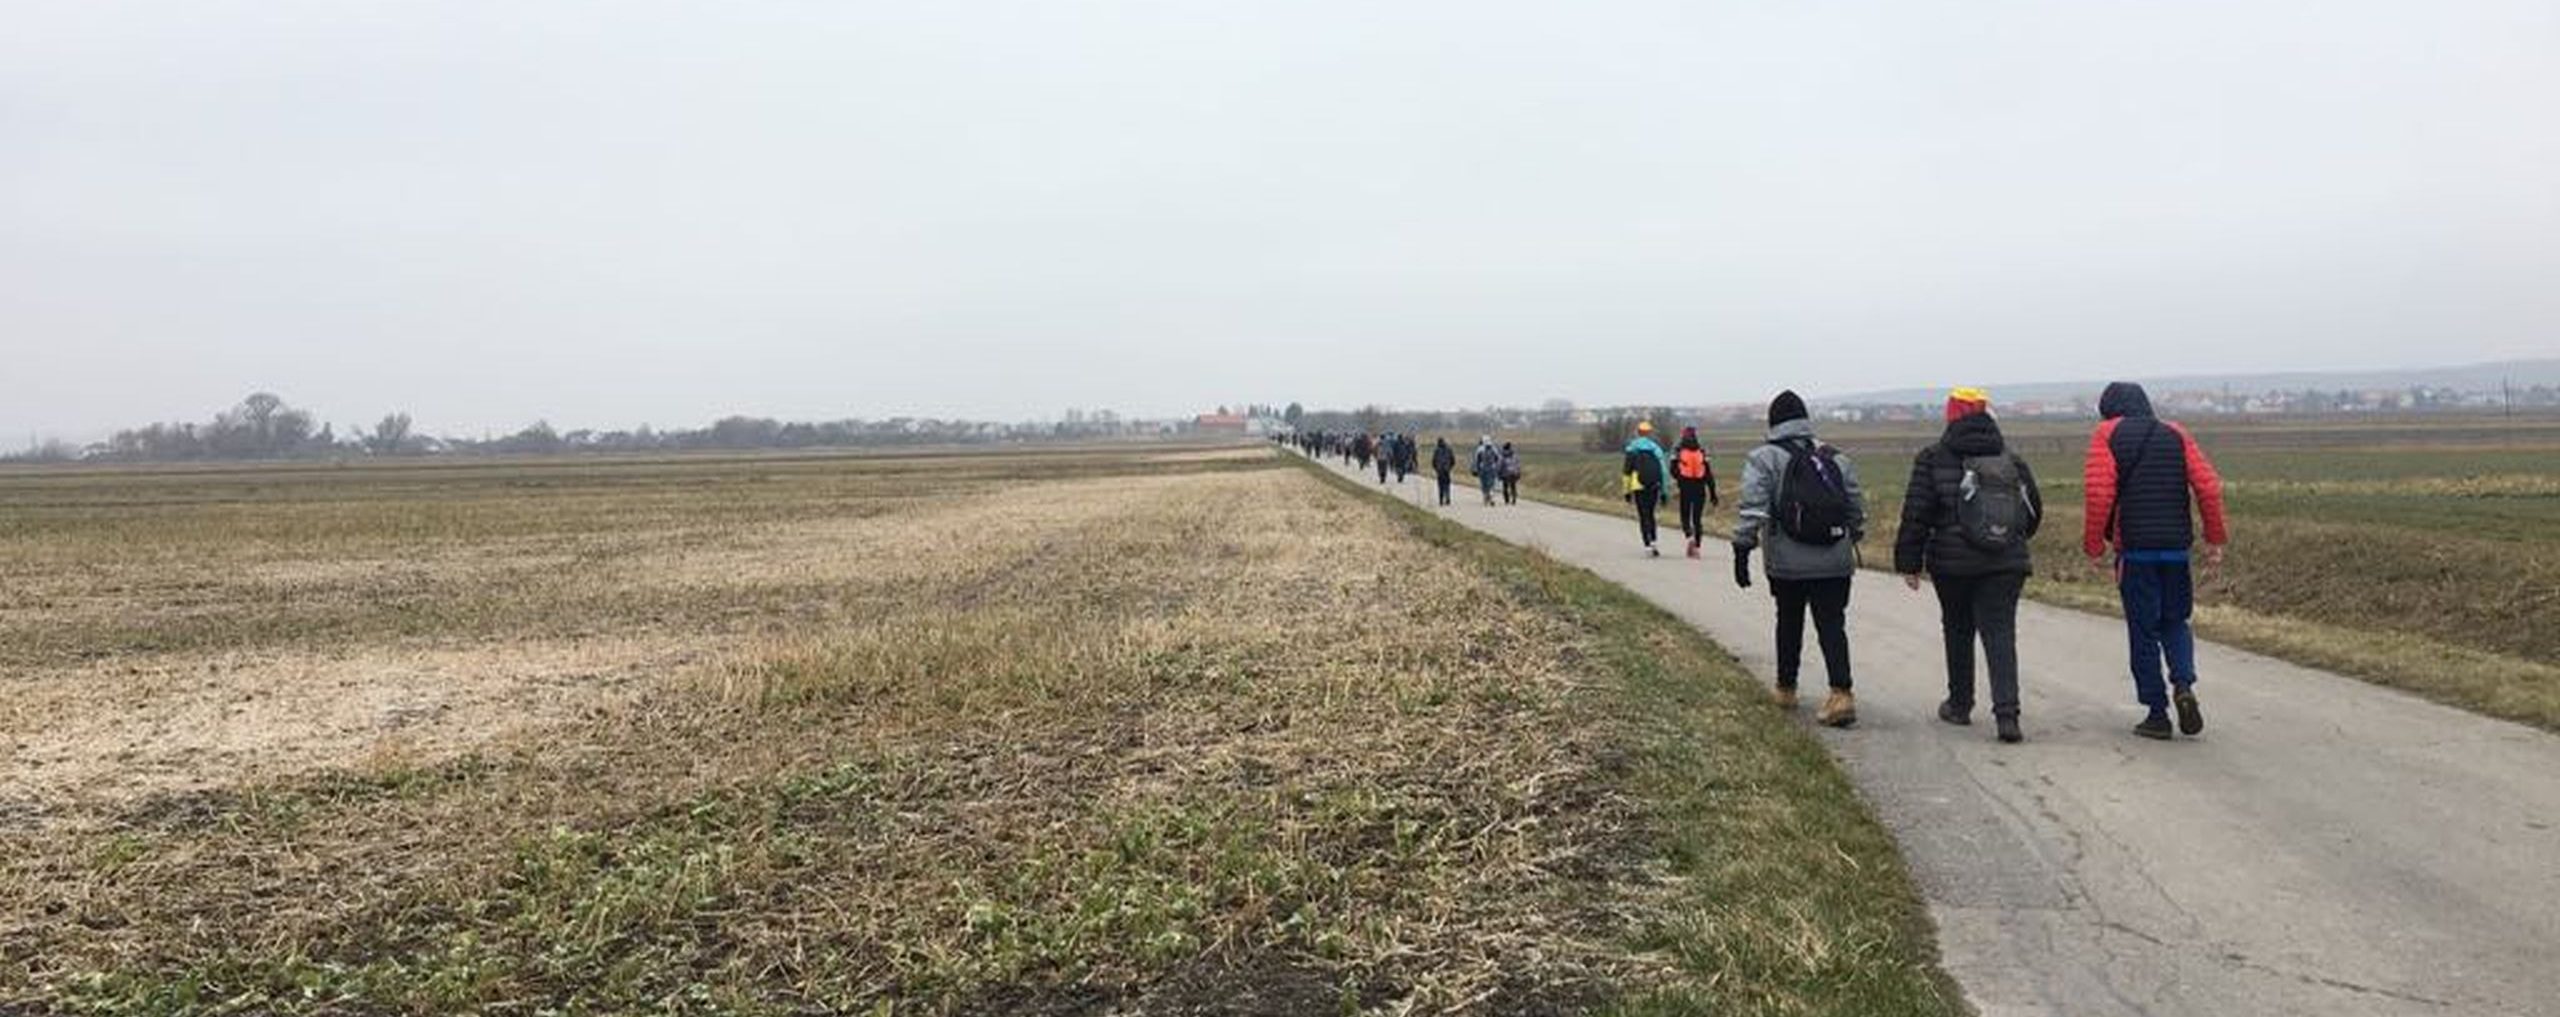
2143,477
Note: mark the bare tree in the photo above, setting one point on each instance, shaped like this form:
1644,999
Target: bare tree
390,436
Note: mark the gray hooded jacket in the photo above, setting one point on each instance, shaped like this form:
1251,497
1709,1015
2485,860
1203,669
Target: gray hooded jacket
1781,556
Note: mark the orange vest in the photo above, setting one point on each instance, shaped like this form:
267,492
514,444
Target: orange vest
1692,464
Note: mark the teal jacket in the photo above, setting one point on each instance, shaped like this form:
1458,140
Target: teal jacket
1661,462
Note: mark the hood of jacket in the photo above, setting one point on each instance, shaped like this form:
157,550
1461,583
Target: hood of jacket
1645,444
1977,435
2124,399
1791,430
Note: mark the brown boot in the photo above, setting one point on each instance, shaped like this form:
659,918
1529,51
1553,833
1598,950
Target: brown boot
1786,698
1841,710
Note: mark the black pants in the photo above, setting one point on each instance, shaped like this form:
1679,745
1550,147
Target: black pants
1987,607
1443,477
1646,501
1829,599
1693,510
1382,471
1511,490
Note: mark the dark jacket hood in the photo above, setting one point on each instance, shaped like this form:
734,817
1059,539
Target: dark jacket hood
2124,399
1977,435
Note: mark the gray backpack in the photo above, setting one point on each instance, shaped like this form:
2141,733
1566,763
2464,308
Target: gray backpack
1992,509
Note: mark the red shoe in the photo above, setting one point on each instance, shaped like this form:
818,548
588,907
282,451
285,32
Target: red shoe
1693,549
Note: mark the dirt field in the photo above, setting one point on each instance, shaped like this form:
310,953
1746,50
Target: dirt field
1165,731
2417,553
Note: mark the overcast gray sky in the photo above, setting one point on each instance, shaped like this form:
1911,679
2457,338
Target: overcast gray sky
611,213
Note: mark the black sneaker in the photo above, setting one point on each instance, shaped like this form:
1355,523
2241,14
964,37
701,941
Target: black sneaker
2190,716
1960,716
2155,726
2009,729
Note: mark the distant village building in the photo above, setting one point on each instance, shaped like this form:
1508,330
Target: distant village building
1236,424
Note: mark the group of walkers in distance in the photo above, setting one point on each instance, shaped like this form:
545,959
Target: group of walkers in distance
1969,512
1650,474
1493,466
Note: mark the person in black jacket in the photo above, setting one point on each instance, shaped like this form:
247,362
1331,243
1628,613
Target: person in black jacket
1645,461
1967,516
1443,460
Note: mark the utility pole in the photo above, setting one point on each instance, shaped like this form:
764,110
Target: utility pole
2507,388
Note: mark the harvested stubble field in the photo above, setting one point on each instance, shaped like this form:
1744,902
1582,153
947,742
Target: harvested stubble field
1161,732
2421,553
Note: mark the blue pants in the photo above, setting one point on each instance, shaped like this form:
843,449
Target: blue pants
2159,597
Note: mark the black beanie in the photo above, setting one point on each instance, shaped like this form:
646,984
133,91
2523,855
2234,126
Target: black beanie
1787,406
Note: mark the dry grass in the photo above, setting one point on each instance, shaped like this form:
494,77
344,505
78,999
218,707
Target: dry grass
1198,736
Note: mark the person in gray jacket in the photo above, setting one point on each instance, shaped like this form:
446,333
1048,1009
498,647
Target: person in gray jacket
1809,541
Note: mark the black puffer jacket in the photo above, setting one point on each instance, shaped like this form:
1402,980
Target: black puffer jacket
1931,539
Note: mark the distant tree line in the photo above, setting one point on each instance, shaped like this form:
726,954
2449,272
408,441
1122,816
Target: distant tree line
265,427
261,427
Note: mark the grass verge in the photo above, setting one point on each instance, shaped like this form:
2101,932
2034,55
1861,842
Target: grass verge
1780,892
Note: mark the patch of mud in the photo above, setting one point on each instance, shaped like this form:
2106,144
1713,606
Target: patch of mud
1265,985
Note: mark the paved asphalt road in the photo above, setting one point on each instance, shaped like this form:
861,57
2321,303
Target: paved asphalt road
2327,846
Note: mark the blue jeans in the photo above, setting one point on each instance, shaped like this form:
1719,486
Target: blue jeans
2159,597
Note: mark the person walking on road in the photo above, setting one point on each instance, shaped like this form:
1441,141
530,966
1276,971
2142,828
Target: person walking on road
1510,474
1696,476
1802,505
2142,477
1648,476
1487,465
1967,516
1386,454
1443,460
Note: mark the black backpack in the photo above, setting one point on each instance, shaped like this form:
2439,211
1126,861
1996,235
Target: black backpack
1813,499
1992,510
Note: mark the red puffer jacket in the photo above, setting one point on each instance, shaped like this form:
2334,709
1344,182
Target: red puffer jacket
2139,474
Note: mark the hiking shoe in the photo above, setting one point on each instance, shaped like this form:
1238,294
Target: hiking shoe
2009,729
1652,551
2190,715
1960,716
2155,727
1693,549
1786,697
1840,710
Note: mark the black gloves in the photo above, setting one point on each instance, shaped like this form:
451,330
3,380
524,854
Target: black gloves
1741,566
